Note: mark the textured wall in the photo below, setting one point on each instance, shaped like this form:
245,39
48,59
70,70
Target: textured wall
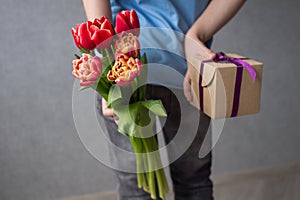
41,156
269,32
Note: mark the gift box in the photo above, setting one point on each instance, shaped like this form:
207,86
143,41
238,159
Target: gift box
227,86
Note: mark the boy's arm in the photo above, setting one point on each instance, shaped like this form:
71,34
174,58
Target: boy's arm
97,8
215,16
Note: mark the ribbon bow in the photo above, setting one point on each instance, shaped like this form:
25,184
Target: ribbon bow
220,56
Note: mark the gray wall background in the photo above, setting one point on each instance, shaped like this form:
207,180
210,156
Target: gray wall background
41,156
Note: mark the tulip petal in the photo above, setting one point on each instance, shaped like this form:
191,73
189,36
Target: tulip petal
97,22
102,38
121,24
75,74
122,82
98,64
107,25
134,21
87,83
75,37
85,37
126,14
93,76
127,20
93,29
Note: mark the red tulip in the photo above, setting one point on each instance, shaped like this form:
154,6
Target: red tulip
90,35
127,21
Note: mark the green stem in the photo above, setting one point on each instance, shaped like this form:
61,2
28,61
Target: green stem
112,49
159,172
160,184
134,95
147,160
136,91
137,149
163,184
103,53
143,93
151,172
146,185
108,54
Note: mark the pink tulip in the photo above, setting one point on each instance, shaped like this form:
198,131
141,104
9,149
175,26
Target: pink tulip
87,69
128,44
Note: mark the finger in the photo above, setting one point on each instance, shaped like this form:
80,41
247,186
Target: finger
205,52
116,119
210,54
105,110
194,46
187,87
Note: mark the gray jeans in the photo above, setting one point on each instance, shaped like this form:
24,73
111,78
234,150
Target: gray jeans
190,174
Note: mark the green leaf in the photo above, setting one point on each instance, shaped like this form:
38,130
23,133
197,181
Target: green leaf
142,117
142,78
134,110
114,96
83,50
105,62
144,58
135,119
93,86
77,56
84,87
103,85
156,107
127,125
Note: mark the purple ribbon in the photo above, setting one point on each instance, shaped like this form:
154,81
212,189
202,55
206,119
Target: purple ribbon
240,63
220,56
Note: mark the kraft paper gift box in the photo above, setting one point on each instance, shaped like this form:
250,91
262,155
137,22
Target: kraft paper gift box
224,88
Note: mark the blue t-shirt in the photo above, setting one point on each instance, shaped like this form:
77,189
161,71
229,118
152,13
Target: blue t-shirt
163,25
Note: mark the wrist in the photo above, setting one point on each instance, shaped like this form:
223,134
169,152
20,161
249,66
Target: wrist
196,34
195,45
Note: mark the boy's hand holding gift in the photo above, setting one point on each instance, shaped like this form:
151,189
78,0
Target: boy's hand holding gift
228,85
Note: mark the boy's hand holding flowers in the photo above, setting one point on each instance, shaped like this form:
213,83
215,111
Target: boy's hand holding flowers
124,71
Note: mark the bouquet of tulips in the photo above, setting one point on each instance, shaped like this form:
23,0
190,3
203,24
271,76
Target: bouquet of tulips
119,76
